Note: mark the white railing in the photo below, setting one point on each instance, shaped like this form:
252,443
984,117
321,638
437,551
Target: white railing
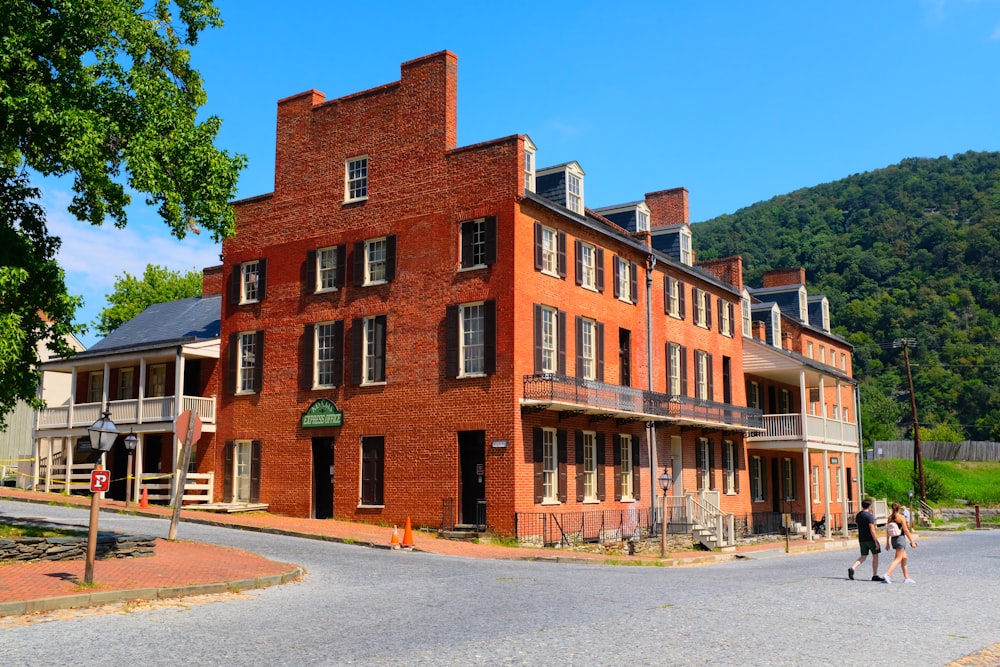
199,487
132,411
60,479
818,429
704,513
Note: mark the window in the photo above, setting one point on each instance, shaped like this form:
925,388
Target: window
703,375
247,362
685,238
529,168
642,219
372,470
550,466
704,463
775,327
549,337
473,339
574,191
241,471
674,295
839,484
356,179
784,401
803,306
814,475
809,349
374,261
375,256
329,264
479,242
730,463
788,479
825,313
589,466
126,376
675,370
329,346
368,350
589,266
628,491
822,354
626,280
242,467
745,310
758,479
702,308
157,380
589,349
725,318
753,395
843,362
95,387
550,251
250,281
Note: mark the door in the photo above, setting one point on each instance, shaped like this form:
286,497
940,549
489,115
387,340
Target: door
322,478
241,474
472,477
625,356
775,485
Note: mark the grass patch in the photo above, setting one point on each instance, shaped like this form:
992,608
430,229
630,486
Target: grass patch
14,531
949,483
504,541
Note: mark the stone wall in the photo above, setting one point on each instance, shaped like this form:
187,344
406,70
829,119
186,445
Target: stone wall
109,545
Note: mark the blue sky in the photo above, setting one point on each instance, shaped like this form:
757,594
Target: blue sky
736,101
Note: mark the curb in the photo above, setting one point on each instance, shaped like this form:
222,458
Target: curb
99,598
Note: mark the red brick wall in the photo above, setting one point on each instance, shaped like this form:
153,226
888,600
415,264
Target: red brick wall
211,280
781,277
668,207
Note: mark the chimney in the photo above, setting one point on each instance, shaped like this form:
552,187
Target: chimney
759,330
668,207
211,280
782,277
727,269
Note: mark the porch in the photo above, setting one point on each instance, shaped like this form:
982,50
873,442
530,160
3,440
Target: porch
150,410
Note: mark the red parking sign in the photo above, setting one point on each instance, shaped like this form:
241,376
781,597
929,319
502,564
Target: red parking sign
100,481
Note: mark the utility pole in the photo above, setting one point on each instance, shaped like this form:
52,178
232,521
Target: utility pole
918,459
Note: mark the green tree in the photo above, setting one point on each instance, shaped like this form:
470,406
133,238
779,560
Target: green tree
133,295
102,91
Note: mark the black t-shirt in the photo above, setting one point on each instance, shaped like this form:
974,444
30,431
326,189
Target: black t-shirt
865,520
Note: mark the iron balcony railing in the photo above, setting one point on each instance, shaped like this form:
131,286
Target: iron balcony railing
597,397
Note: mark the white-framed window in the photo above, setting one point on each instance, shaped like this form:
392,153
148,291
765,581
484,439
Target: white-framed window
810,349
642,218
803,305
753,395
822,354
375,261
815,483
327,353
475,235
356,178
550,251
725,319
758,480
574,191
745,313
158,380
788,479
588,348
674,369
731,461
674,288
588,266
95,387
589,466
701,374
472,339
843,362
373,354
550,339
776,327
825,310
126,377
550,466
701,298
623,279
685,240
250,282
705,469
529,169
326,269
242,465
247,362
628,492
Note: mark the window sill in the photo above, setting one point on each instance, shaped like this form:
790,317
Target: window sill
370,507
591,501
356,200
627,499
553,274
551,502
380,383
247,302
326,290
246,392
375,283
466,376
475,267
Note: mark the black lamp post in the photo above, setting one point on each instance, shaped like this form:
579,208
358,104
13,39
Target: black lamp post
103,434
130,442
665,481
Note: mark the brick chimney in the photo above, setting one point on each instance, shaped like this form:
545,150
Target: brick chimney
211,280
782,277
727,269
668,207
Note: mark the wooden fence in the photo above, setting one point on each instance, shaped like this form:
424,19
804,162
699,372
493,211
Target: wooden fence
970,450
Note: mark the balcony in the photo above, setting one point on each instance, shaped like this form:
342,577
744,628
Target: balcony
568,394
788,427
159,409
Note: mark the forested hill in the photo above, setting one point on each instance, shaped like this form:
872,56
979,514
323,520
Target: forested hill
909,251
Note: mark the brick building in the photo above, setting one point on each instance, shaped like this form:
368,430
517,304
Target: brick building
410,328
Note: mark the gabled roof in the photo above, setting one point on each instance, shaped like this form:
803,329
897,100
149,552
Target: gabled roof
161,324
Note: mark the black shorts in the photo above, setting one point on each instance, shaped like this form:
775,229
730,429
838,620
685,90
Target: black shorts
868,547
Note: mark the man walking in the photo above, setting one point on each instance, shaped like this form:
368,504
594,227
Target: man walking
867,540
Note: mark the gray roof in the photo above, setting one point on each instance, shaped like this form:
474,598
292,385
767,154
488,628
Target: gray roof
183,321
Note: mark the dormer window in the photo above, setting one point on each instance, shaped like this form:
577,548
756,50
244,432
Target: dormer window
633,217
641,220
574,191
826,314
776,327
529,166
745,309
685,239
563,185
803,306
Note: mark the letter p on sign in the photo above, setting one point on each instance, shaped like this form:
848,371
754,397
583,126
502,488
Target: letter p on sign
100,481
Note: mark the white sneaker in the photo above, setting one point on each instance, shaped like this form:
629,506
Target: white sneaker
909,581
886,579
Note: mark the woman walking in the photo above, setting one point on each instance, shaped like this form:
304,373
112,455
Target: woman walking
898,533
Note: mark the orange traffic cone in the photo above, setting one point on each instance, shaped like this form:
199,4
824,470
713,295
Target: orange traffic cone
407,535
144,501
394,543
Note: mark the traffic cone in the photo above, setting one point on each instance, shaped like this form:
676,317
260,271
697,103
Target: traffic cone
394,543
407,535
144,501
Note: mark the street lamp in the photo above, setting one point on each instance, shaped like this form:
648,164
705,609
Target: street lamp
130,442
918,457
665,480
103,434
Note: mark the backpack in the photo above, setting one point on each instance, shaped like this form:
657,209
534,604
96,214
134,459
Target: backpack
892,529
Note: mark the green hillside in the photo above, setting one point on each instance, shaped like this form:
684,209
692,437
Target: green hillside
912,250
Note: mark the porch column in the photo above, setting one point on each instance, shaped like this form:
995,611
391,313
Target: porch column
807,487
803,402
822,405
826,489
68,458
142,387
72,401
137,470
106,389
843,485
178,407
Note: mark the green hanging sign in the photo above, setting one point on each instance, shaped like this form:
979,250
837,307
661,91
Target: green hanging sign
323,412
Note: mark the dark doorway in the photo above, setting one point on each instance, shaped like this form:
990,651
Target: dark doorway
152,452
625,356
322,478
472,477
776,485
192,377
118,465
